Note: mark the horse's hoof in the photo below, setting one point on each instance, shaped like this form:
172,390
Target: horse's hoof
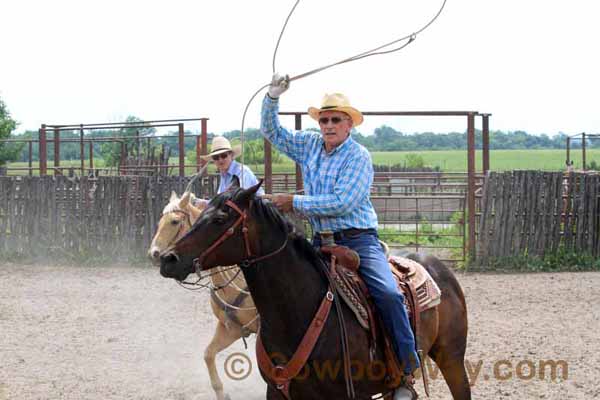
403,393
227,397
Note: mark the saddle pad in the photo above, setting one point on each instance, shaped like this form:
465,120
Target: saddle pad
428,292
404,269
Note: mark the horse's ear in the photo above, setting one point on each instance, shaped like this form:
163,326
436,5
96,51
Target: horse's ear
235,183
173,196
195,207
249,193
185,200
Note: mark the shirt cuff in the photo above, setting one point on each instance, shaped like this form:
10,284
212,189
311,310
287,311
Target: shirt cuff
298,202
272,99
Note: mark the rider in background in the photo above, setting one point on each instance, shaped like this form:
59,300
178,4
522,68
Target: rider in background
230,171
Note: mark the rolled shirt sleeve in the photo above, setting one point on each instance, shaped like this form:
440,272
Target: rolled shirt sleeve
350,189
291,143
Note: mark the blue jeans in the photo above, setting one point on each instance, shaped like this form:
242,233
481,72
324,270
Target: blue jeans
375,271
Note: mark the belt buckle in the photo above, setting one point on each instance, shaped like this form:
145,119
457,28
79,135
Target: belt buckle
327,238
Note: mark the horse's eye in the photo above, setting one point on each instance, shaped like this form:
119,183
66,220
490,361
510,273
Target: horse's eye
175,222
220,218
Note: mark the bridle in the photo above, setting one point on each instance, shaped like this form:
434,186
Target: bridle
197,285
243,221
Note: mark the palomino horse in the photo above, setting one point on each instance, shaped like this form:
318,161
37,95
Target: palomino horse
289,286
231,303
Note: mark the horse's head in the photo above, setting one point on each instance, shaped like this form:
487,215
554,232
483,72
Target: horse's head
219,236
176,220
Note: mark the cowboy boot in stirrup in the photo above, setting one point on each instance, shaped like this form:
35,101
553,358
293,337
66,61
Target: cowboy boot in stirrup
406,391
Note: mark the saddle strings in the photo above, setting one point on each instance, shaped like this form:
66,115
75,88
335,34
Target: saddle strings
379,50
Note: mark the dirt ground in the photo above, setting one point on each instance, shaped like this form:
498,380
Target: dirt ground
126,333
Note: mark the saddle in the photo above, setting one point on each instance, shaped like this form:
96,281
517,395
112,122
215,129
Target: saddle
420,292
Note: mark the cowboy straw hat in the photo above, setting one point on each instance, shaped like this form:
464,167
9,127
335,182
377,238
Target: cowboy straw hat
220,145
337,102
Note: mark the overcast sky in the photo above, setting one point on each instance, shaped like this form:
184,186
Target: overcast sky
533,64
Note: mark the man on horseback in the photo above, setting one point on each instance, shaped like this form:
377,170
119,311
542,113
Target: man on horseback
338,173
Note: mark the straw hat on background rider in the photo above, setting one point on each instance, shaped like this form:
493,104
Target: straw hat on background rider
222,153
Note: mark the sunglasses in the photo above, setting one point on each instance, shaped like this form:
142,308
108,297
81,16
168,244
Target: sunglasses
222,156
334,120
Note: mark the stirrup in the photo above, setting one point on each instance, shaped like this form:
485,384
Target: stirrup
406,391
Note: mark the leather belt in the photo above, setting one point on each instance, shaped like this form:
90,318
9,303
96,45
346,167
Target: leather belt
351,232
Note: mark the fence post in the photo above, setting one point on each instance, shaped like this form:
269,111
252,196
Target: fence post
204,150
82,149
299,184
91,156
43,157
181,150
56,152
30,158
583,150
485,139
198,153
471,182
202,145
122,166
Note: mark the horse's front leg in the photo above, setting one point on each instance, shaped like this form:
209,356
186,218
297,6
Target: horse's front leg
222,339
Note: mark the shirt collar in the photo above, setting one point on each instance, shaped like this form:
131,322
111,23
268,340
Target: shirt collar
341,147
234,169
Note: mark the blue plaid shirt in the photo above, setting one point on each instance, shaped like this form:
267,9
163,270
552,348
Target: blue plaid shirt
336,184
235,169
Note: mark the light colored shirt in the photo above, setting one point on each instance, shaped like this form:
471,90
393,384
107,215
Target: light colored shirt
235,169
336,184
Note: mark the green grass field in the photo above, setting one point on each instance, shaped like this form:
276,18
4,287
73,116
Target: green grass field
449,161
456,160
500,160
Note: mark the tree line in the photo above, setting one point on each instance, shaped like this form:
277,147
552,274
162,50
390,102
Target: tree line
384,138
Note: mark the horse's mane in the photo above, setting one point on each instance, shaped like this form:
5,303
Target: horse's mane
172,206
266,211
270,213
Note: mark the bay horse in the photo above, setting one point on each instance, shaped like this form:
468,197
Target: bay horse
286,279
230,299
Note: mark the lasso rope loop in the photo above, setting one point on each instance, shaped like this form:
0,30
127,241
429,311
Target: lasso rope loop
373,52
